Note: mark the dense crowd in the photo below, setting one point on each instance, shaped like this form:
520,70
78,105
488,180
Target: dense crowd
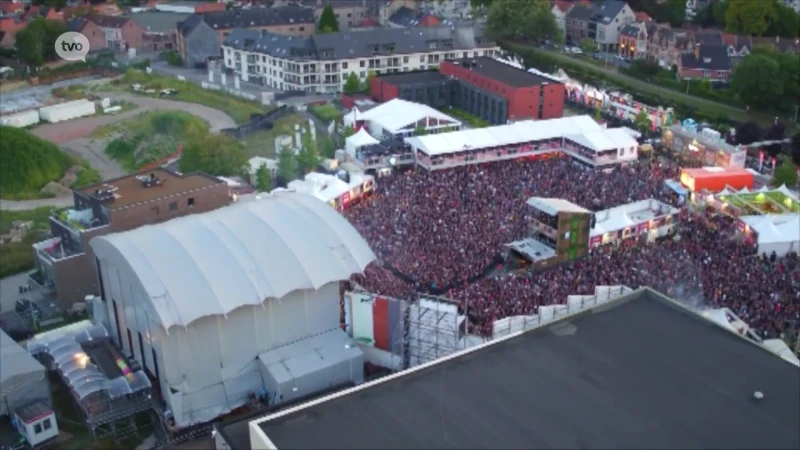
445,227
441,230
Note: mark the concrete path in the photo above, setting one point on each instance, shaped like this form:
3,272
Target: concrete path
73,134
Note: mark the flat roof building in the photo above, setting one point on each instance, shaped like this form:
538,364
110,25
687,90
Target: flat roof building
64,267
640,371
480,85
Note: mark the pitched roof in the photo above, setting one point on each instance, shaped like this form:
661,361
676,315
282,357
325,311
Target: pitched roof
579,12
104,21
76,24
258,17
605,11
357,44
631,30
563,5
708,37
189,24
642,16
712,57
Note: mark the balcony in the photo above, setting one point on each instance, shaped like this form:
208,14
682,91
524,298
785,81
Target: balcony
40,283
53,250
76,221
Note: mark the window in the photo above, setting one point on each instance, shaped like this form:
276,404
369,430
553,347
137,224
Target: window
173,206
422,59
37,428
706,73
302,28
362,63
344,65
130,343
155,210
190,202
405,60
47,425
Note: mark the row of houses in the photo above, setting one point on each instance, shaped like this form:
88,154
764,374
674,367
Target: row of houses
615,27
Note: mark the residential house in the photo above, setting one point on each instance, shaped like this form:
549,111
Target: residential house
349,13
560,10
406,17
642,16
11,7
95,35
577,23
107,9
321,64
737,46
665,45
161,28
122,33
9,27
606,21
633,41
196,50
708,62
42,11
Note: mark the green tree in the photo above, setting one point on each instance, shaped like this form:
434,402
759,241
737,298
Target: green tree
789,64
287,165
749,17
786,23
263,179
368,81
352,85
719,11
327,21
642,122
36,42
786,173
348,131
530,20
588,46
747,80
795,150
327,149
598,115
217,154
308,157
676,12
420,131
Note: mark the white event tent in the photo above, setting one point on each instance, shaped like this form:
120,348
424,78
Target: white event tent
779,233
357,140
402,117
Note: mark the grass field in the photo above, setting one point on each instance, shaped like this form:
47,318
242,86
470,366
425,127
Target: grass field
262,143
239,109
18,256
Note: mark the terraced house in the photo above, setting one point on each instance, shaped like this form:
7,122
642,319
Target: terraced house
321,64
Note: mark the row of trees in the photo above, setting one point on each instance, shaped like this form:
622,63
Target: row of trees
527,20
353,84
768,79
753,18
291,165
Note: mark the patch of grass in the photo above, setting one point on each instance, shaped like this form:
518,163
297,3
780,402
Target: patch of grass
150,136
18,256
87,176
469,119
262,143
325,113
239,109
73,92
39,216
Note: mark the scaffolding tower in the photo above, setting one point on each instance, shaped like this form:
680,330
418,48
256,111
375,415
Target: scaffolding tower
434,329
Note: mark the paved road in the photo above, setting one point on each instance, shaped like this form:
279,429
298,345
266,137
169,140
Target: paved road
83,128
73,136
9,290
645,86
35,96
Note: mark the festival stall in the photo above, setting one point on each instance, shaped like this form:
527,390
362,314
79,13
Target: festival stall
360,139
745,202
338,193
702,146
715,179
646,220
778,233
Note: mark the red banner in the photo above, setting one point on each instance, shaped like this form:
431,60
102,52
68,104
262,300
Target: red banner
594,241
345,199
642,227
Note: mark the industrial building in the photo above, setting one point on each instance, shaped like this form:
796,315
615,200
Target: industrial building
635,371
484,87
65,267
237,302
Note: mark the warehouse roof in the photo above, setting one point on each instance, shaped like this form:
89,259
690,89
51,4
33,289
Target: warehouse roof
638,372
417,76
18,369
212,263
502,72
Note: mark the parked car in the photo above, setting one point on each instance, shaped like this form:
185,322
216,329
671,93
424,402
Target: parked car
27,307
576,50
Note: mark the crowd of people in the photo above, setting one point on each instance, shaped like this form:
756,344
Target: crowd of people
439,231
444,227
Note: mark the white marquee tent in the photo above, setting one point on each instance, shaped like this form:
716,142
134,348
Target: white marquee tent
359,139
779,233
22,378
399,115
198,299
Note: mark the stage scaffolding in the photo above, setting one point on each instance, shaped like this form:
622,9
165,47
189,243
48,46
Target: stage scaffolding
108,389
434,329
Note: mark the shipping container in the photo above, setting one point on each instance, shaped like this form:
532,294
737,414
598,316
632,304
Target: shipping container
67,111
715,179
21,120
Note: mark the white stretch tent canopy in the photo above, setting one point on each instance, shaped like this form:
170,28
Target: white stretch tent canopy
22,378
580,129
211,292
359,139
397,114
779,233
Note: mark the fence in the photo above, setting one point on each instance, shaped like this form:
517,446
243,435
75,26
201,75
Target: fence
258,122
549,313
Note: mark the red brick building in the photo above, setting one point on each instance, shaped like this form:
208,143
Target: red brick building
708,62
484,87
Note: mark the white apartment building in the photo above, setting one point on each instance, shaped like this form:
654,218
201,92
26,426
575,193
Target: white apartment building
607,19
321,64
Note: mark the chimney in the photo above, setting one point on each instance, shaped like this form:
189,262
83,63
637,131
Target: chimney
697,52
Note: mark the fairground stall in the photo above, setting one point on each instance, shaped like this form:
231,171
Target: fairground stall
578,137
715,179
337,191
643,221
695,146
745,202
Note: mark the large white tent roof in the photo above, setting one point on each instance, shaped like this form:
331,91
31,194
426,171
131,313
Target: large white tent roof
17,369
360,139
212,263
398,114
581,129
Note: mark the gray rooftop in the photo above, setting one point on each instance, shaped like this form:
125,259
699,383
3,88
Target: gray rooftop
640,372
358,44
258,17
158,21
605,11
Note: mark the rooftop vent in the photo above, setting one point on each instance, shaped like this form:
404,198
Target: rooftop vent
105,193
150,181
